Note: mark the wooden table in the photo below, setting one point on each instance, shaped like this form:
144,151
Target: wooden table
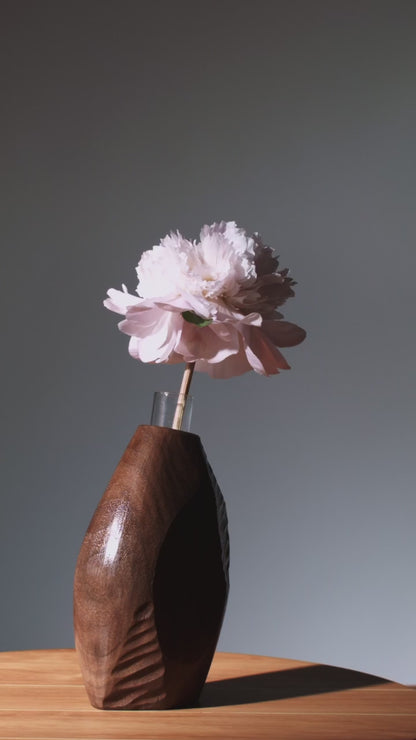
247,696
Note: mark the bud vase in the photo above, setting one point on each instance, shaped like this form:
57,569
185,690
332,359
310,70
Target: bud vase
151,580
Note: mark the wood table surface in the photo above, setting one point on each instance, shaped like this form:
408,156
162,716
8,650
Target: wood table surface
246,696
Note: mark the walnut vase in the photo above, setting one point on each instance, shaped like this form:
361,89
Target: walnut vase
151,581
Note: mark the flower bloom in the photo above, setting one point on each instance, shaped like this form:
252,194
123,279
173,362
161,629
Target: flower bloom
212,302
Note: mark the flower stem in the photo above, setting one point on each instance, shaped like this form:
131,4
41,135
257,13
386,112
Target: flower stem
183,394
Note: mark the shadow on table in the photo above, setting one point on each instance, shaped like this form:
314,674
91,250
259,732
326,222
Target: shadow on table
306,681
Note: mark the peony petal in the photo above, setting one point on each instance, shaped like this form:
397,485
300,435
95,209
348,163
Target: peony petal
213,343
252,319
283,333
156,333
141,320
188,302
230,367
261,354
158,346
265,260
119,301
134,351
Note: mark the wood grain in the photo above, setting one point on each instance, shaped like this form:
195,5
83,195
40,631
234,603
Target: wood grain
246,696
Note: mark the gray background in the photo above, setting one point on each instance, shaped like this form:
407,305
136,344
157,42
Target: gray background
122,120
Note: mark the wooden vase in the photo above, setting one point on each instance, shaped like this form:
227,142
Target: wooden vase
151,581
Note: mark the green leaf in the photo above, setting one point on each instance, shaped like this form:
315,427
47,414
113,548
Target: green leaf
193,318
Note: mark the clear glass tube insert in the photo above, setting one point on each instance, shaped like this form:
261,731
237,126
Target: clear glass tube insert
164,410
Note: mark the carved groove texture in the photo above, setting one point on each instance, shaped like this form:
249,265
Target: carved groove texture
139,670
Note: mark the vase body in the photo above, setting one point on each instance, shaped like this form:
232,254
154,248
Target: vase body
151,581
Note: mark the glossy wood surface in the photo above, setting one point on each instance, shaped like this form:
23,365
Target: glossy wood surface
247,696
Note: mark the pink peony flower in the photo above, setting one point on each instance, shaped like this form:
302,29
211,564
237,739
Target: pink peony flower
212,302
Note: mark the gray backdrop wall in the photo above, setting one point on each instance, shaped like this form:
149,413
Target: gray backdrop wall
124,119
